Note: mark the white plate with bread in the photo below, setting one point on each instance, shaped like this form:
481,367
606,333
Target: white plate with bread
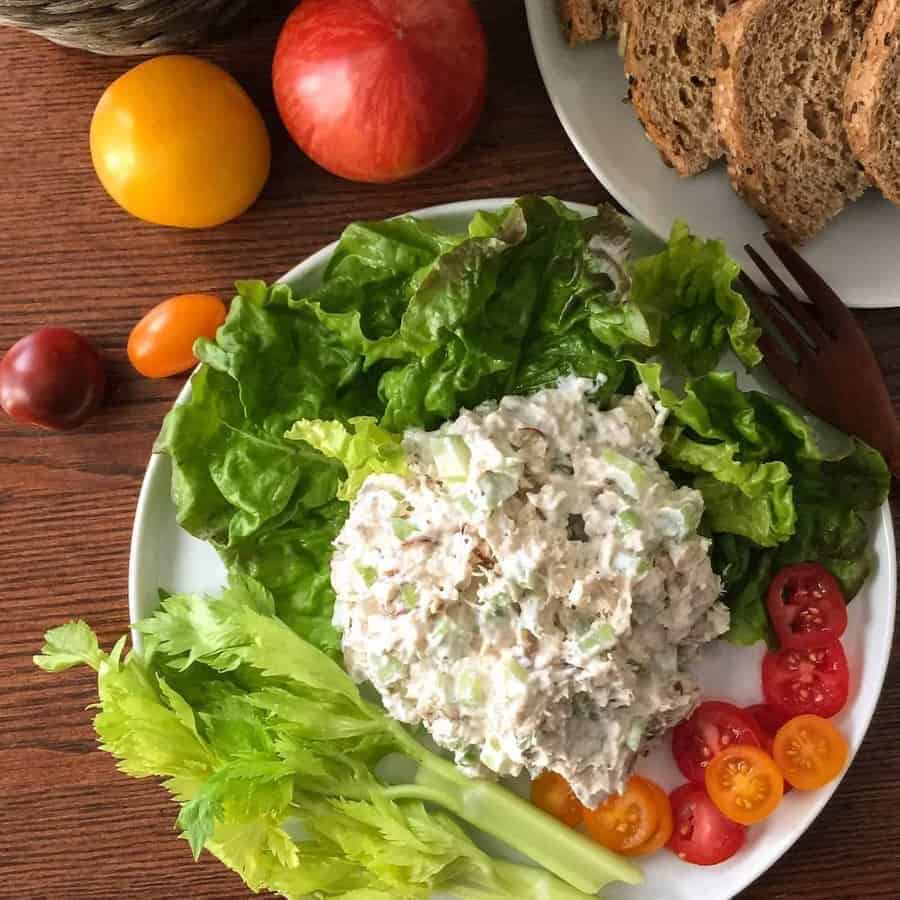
779,115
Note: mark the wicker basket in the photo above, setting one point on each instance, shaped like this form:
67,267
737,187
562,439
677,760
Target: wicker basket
120,27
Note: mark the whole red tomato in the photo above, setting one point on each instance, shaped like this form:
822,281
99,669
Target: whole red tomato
379,90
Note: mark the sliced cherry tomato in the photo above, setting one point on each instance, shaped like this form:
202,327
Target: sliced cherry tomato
807,607
625,821
551,793
702,835
797,682
713,726
810,752
744,783
162,343
663,832
769,720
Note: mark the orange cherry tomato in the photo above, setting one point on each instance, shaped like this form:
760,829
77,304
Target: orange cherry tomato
744,783
625,821
810,751
162,343
551,793
664,829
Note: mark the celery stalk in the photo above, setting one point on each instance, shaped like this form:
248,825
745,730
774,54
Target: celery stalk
495,810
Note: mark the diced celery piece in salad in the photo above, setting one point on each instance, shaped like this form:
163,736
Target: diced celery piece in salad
599,637
496,487
451,457
409,596
517,670
471,688
403,528
635,735
628,475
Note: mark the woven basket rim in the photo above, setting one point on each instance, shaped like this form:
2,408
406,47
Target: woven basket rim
129,26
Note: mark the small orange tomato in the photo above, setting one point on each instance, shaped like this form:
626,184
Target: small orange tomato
810,751
624,822
744,783
664,829
551,793
162,343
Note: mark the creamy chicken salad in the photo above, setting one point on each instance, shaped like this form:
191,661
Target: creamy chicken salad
533,590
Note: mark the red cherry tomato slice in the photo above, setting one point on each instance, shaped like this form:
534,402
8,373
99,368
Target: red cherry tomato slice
769,720
807,607
702,835
800,682
712,727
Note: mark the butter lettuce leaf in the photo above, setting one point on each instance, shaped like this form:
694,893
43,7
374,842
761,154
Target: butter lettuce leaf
682,305
406,326
361,446
773,491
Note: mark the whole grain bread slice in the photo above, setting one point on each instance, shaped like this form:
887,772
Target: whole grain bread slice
588,20
669,62
778,103
872,100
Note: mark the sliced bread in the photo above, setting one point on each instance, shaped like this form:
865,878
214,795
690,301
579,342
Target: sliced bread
872,100
588,20
669,63
778,102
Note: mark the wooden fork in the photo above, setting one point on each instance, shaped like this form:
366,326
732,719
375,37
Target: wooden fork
834,373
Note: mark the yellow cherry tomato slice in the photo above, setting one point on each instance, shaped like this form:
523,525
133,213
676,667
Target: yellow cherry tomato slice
810,752
664,828
162,343
177,141
625,821
744,783
551,793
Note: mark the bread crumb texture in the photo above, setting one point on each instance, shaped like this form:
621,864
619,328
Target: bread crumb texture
670,66
872,100
779,106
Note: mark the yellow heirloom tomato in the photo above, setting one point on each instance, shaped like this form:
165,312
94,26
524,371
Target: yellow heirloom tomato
177,141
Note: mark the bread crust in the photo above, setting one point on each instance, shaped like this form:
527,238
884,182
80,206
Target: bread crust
751,161
867,95
588,20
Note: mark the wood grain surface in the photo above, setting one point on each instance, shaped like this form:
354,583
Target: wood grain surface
70,825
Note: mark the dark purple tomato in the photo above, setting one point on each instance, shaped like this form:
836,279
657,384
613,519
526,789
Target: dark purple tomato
52,378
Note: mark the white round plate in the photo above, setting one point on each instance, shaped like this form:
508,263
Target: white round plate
164,556
856,253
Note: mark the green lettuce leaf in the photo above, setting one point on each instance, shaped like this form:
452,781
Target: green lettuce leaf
407,326
752,499
682,305
363,449
772,490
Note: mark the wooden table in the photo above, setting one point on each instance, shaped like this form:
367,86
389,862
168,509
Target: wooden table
70,825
